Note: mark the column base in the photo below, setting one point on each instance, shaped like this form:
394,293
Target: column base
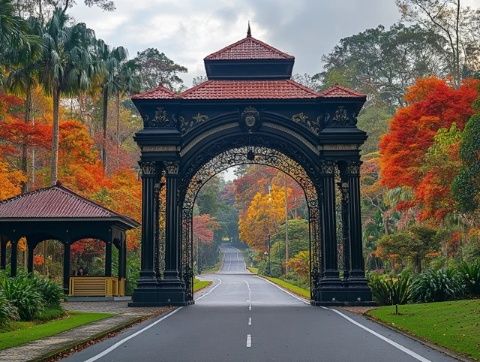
164,293
343,295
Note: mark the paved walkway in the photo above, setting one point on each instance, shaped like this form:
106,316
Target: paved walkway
124,316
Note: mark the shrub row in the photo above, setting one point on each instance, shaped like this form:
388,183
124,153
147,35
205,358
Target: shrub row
430,286
25,297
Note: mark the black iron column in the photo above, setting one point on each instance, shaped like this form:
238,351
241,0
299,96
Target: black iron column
13,258
108,258
353,175
66,266
329,227
147,273
344,192
172,237
158,186
3,252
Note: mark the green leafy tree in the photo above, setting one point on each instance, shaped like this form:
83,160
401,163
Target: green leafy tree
383,62
466,185
414,245
155,68
458,25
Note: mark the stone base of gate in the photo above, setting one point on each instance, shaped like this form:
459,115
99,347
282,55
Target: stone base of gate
164,294
344,295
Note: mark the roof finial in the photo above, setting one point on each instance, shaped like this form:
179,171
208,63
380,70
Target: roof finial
249,31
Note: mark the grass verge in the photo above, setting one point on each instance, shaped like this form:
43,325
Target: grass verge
20,333
200,284
252,269
302,292
454,325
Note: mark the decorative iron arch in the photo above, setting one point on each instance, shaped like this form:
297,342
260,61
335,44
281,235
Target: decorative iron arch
259,155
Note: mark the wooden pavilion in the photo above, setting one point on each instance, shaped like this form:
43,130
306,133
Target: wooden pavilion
57,213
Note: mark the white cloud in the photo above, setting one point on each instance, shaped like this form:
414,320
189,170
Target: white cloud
188,30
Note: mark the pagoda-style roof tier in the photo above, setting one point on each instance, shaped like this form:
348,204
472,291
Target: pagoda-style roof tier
58,203
249,58
248,48
248,89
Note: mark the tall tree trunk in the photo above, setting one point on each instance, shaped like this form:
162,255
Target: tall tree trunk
104,127
55,136
118,128
27,119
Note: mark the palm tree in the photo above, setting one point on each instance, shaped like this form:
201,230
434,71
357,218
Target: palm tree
126,82
67,67
111,64
23,77
13,32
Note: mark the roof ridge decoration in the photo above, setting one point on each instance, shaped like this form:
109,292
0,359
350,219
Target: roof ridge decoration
155,93
248,48
340,92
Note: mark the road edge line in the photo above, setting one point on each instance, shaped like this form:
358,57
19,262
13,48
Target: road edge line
285,291
211,290
382,337
122,341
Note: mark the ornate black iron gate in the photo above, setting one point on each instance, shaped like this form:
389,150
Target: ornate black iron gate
249,111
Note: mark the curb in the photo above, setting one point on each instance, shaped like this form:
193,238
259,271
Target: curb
78,345
420,340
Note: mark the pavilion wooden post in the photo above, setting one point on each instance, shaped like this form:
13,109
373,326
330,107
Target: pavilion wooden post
3,252
66,266
13,258
30,253
108,259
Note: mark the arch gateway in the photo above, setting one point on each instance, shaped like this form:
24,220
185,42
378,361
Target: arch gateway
250,111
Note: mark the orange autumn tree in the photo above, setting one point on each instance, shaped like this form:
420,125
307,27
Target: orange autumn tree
262,218
204,226
432,105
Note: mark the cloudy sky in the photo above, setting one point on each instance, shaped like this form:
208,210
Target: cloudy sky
188,30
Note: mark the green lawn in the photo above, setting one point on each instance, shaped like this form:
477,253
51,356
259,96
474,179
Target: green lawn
454,325
302,292
253,269
200,284
19,333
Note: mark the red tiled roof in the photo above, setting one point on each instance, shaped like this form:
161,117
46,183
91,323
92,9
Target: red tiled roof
248,89
157,93
56,202
248,48
337,91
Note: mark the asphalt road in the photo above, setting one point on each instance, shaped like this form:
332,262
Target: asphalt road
245,318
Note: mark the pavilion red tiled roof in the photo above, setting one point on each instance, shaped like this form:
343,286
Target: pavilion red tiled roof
248,48
337,91
249,89
56,202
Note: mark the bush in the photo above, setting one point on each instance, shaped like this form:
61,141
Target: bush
50,313
8,312
391,290
469,274
437,286
23,294
51,292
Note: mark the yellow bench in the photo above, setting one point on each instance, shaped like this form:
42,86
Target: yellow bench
96,287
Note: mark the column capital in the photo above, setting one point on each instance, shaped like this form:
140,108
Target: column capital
172,168
148,168
327,168
352,168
